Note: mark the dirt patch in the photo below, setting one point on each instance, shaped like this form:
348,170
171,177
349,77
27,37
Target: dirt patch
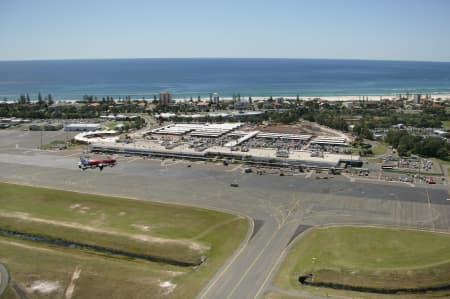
44,287
71,288
150,239
167,287
80,208
99,220
141,227
175,273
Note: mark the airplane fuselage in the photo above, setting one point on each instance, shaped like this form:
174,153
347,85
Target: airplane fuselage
85,164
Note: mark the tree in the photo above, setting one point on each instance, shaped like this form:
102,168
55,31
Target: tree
50,99
22,99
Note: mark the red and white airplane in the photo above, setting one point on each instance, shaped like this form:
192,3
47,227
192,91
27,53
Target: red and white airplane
88,163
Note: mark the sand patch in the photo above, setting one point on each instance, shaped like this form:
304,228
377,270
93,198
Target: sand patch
141,227
198,247
71,287
99,220
80,208
44,287
167,287
174,273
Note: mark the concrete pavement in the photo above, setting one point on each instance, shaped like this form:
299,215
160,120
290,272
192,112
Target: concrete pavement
4,279
278,205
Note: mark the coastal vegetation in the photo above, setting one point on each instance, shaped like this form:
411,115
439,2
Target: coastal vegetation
89,107
407,144
360,118
372,258
178,239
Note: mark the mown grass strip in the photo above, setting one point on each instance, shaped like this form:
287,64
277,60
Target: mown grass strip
98,249
368,258
169,251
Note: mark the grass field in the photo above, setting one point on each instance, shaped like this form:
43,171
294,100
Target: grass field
278,296
446,125
368,257
173,232
379,149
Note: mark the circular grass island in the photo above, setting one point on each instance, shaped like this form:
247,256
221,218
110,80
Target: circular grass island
368,260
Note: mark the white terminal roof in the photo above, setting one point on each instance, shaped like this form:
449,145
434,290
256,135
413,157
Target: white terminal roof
206,130
274,135
97,136
83,125
242,139
284,136
329,140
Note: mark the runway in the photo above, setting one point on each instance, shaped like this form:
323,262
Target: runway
281,206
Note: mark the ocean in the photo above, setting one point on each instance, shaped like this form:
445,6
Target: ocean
185,78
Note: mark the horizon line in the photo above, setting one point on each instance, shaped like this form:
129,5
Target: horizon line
218,57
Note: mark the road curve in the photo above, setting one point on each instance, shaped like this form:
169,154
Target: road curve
4,279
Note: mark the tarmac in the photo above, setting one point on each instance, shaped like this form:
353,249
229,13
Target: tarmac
4,279
281,207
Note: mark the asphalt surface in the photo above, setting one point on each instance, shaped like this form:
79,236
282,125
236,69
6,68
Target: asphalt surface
4,279
281,206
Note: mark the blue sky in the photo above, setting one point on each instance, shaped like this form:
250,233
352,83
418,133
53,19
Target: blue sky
348,29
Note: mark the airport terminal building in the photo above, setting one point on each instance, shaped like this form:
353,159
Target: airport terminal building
234,141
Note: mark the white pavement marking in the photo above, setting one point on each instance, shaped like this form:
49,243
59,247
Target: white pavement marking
269,276
230,295
134,159
234,169
430,208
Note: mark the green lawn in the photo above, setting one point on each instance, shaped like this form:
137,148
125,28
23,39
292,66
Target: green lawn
370,257
380,149
446,125
169,231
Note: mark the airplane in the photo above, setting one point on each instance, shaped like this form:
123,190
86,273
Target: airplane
88,163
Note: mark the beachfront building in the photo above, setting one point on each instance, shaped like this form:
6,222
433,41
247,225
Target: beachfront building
215,98
165,98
